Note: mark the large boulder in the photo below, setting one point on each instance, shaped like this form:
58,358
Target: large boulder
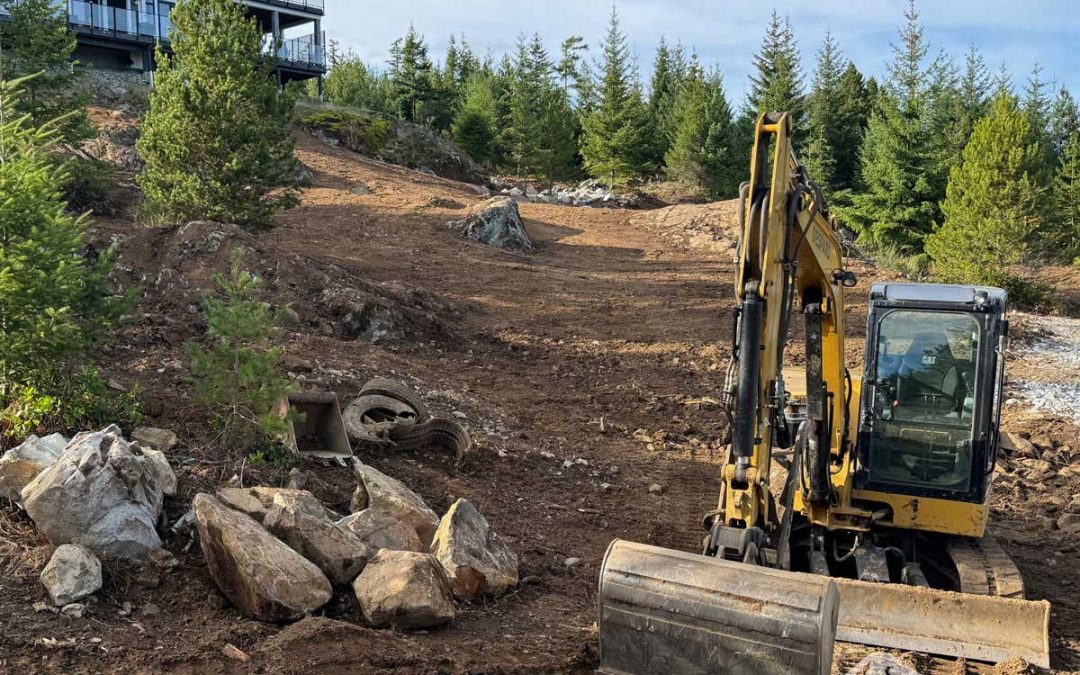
257,501
300,521
381,530
259,574
102,493
495,222
22,464
404,589
72,574
381,493
476,560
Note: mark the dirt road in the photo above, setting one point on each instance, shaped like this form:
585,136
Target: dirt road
585,372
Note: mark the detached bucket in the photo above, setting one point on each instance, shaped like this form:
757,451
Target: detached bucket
316,428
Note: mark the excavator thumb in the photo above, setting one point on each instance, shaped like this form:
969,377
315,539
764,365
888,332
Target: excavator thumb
667,611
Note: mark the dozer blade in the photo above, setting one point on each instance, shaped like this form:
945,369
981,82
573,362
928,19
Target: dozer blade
979,627
666,611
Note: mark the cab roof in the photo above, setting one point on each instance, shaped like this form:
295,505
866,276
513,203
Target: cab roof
934,293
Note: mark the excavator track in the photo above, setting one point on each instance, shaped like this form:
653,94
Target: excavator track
984,568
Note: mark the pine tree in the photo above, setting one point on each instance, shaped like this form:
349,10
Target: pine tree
825,123
216,141
353,83
616,142
474,125
411,76
1066,240
856,102
667,80
685,159
569,66
36,40
995,201
899,160
558,147
236,378
1064,123
724,168
53,301
776,84
1036,106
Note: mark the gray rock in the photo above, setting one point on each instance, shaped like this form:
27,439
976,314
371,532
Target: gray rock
102,493
379,492
495,222
405,590
22,464
881,663
476,560
254,501
159,464
72,574
299,520
380,530
158,439
259,574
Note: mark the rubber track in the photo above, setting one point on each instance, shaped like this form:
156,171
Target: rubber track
985,568
438,431
383,386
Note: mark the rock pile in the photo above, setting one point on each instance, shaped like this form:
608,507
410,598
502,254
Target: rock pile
276,554
495,222
586,193
103,493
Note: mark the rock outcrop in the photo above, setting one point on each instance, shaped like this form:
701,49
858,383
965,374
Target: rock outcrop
495,222
102,493
381,530
299,520
381,493
405,590
476,560
72,574
22,464
259,574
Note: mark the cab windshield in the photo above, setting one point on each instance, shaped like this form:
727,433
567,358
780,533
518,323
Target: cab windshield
923,399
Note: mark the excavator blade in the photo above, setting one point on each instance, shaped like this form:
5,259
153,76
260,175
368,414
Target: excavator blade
978,627
667,611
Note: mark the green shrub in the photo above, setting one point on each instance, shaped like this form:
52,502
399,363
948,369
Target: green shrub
356,131
88,184
236,378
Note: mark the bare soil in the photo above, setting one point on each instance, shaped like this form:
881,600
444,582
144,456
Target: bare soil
607,346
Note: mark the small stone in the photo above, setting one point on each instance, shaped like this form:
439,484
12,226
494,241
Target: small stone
116,385
297,479
656,489
572,562
75,610
235,653
149,609
158,439
72,574
42,606
125,609
547,455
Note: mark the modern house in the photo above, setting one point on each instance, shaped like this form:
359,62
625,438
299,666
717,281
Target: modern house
120,35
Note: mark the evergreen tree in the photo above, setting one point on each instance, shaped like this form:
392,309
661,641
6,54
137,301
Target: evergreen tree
353,83
1064,123
411,76
667,80
558,147
855,103
569,66
1065,241
216,141
825,122
474,125
724,168
237,377
36,40
899,160
52,300
685,159
995,200
776,84
616,142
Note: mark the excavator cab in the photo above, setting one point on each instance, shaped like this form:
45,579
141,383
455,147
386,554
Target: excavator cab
931,390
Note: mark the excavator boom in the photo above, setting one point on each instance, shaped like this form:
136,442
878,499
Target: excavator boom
878,536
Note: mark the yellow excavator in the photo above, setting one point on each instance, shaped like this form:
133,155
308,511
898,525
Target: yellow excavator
853,506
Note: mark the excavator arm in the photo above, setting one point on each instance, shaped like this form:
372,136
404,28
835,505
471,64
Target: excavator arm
789,256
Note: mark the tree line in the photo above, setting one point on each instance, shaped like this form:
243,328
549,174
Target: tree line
902,159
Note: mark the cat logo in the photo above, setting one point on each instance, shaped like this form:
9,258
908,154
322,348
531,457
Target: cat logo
929,360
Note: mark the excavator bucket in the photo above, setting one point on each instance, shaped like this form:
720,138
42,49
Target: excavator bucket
667,611
977,627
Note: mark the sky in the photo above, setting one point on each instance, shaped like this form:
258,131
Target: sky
726,33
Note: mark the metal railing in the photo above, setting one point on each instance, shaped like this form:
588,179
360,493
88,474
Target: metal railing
112,19
317,5
307,50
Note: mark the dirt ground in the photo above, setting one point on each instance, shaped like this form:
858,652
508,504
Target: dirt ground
586,371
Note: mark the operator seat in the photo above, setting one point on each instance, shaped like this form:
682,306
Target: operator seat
928,376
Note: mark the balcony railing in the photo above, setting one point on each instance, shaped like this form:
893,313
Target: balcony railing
90,15
307,50
314,5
